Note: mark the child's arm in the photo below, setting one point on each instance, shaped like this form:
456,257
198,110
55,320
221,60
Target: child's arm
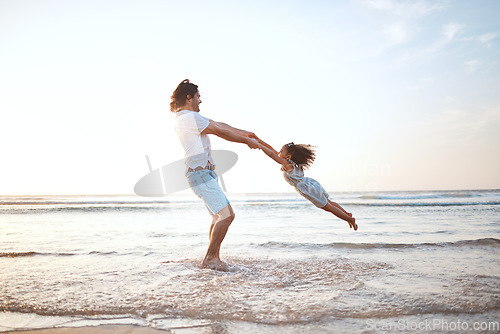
267,145
273,154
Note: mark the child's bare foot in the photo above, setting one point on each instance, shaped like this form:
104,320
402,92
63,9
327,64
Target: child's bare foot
353,224
349,214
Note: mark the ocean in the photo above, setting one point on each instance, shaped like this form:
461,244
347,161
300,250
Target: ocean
420,261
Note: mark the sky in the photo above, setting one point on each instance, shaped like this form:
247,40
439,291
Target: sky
395,95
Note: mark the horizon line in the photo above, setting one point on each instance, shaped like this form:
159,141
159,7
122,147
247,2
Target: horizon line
247,193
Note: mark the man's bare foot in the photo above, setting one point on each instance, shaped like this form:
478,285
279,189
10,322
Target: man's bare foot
215,264
349,214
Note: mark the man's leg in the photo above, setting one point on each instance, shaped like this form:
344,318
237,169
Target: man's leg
218,231
214,220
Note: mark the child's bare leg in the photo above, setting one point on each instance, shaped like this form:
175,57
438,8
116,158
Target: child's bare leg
341,214
341,208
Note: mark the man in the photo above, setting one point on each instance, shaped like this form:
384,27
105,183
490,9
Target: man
193,129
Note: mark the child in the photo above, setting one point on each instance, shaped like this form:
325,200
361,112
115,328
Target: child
294,158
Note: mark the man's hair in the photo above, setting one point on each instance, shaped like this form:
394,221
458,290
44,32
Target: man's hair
181,93
301,154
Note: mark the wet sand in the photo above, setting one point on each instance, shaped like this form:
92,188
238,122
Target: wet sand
107,329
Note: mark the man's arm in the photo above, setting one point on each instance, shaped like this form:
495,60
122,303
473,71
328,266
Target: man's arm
243,133
213,128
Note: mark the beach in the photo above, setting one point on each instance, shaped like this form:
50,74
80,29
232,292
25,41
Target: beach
419,261
96,330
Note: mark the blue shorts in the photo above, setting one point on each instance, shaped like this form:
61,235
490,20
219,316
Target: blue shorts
205,186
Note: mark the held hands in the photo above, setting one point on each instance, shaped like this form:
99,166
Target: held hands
253,143
260,142
249,134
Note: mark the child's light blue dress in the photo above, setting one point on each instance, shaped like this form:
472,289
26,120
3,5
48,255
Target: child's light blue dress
307,187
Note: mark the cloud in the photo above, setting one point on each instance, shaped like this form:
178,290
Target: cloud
400,21
406,10
485,38
449,32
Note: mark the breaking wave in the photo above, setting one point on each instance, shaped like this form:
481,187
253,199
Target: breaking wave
488,242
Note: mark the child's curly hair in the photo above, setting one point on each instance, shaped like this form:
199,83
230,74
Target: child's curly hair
302,154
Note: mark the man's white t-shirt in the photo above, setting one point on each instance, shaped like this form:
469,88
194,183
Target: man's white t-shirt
197,150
